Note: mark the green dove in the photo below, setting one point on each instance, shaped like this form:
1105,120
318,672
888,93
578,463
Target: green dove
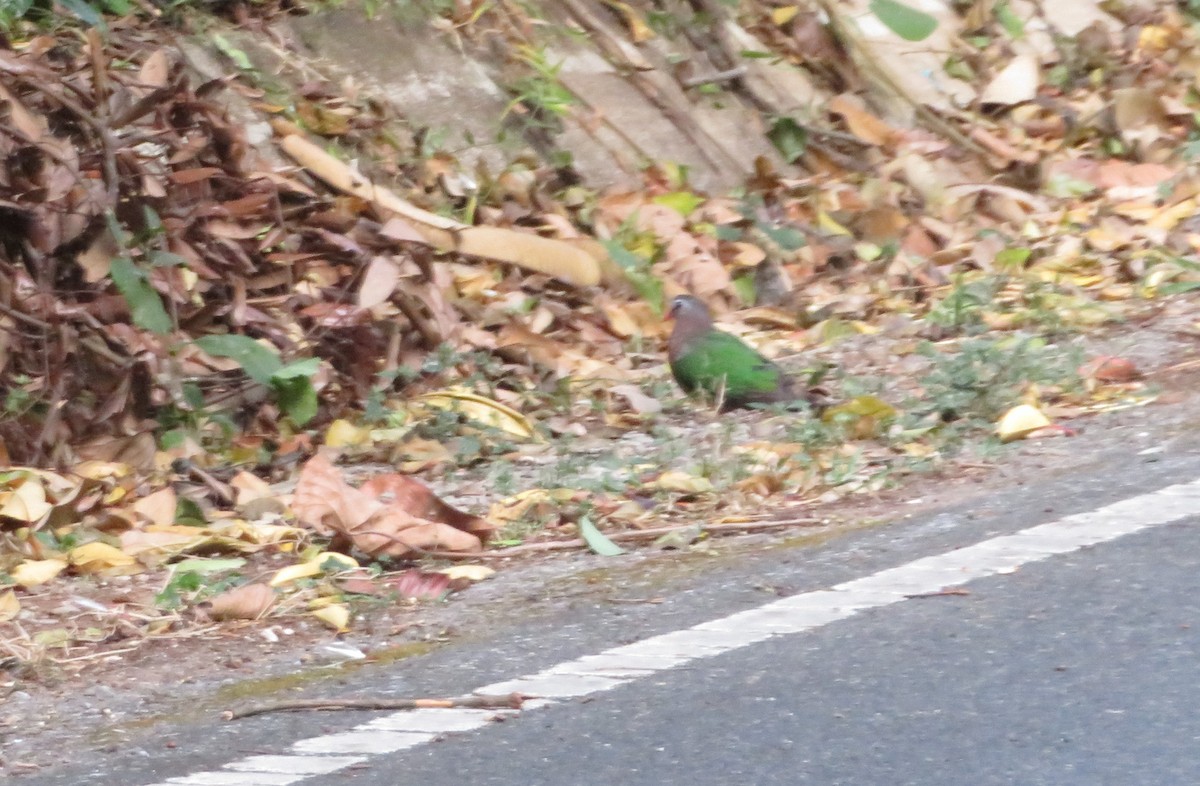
703,358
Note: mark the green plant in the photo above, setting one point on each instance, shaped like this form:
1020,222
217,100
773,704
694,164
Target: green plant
291,383
961,310
539,98
985,375
638,272
194,580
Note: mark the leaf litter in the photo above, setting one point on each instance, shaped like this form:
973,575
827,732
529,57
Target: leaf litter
190,305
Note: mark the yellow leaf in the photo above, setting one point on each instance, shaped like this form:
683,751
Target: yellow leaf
639,31
313,567
10,607
469,572
97,557
1171,216
31,573
1020,421
781,16
517,506
103,470
249,487
865,415
825,222
674,480
300,570
344,434
27,502
482,410
336,616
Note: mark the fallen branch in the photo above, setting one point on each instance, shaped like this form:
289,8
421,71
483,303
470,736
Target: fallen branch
512,701
570,262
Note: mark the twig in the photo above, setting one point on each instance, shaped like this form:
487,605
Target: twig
952,591
512,701
720,76
622,537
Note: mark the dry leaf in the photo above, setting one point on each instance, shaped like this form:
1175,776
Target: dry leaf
10,607
1020,421
247,602
31,573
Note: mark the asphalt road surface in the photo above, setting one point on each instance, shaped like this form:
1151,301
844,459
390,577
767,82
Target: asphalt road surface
1064,651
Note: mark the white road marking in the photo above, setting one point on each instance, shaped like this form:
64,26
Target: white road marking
796,614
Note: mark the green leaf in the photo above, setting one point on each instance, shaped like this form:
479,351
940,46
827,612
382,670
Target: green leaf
1009,20
596,539
260,362
238,57
682,202
189,514
745,289
789,138
1014,258
729,232
905,21
1065,186
298,368
787,238
144,303
118,7
165,259
86,13
637,271
206,567
1178,287
297,398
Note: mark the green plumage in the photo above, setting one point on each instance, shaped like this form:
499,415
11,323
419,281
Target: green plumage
720,364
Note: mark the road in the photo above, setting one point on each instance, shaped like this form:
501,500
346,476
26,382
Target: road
1065,652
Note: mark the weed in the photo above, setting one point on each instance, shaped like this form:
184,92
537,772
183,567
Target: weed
985,376
540,99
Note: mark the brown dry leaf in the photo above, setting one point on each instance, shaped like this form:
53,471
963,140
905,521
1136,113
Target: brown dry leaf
417,455
155,69
565,261
860,120
327,503
158,508
1139,115
378,282
414,497
380,518
1108,368
419,584
248,602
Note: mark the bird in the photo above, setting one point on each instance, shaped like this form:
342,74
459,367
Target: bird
705,359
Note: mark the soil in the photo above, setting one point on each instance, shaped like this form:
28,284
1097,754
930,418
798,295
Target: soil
123,690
